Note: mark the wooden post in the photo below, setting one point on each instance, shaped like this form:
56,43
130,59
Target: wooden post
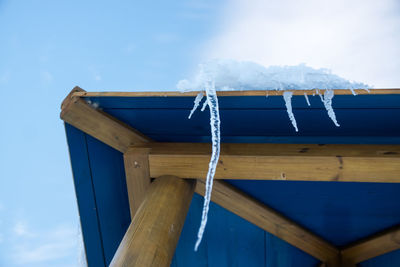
154,232
137,176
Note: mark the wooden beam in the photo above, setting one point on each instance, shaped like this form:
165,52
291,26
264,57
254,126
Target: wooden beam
137,172
98,124
152,237
271,221
373,246
355,163
237,93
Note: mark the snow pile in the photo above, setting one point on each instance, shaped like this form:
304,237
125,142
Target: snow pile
244,75
234,75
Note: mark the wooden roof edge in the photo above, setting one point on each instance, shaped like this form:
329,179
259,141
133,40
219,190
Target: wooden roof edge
100,125
383,91
74,93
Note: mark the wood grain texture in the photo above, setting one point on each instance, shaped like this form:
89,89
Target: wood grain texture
271,221
100,125
152,236
137,172
350,163
71,96
373,246
235,93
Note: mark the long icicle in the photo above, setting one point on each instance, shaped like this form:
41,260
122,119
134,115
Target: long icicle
212,101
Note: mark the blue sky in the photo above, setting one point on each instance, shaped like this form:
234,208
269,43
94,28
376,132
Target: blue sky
48,47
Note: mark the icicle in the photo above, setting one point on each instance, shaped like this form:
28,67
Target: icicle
287,96
352,91
266,96
328,95
204,105
212,101
366,89
308,101
321,97
197,101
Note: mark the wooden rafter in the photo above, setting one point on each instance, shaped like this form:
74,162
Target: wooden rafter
269,220
373,246
98,124
356,163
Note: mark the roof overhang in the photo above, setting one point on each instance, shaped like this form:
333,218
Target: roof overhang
262,146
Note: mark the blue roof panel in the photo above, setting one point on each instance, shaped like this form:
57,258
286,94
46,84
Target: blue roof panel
339,212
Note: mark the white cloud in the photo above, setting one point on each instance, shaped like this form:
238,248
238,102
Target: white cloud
96,73
356,39
43,246
46,76
21,229
45,252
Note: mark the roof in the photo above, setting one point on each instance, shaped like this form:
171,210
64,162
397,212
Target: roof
340,212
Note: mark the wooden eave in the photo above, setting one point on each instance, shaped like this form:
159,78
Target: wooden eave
234,93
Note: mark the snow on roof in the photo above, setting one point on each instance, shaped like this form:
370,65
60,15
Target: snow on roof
245,75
